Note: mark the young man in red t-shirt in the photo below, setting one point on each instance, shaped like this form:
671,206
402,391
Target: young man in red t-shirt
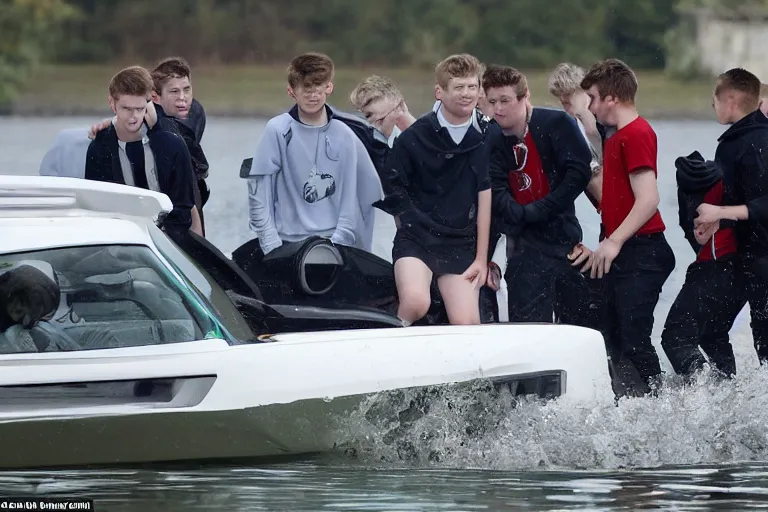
633,257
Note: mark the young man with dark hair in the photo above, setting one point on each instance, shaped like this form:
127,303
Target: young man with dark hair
311,176
176,110
633,257
741,153
539,165
180,112
156,160
437,184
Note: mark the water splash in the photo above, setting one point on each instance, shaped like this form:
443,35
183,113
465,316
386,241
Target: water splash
703,421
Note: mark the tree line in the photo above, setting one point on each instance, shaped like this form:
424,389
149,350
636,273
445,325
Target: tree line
529,33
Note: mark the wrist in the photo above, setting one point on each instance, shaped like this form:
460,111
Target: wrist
617,239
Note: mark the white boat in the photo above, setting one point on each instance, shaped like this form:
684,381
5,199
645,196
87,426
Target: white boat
149,355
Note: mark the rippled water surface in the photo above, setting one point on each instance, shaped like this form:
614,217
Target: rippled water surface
698,446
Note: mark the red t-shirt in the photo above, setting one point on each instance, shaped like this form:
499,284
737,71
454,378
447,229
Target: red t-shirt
530,183
628,150
725,239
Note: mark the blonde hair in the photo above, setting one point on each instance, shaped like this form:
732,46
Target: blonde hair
461,65
373,89
565,79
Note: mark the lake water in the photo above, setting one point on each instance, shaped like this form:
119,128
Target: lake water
692,448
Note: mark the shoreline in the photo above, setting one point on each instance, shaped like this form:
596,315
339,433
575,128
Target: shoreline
259,91
652,114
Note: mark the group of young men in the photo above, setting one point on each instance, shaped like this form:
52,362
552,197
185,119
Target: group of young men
482,165
152,142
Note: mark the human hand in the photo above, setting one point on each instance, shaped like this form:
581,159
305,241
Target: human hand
601,260
493,280
477,273
97,127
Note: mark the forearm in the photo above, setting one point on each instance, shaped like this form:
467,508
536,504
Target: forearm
261,206
595,190
642,211
349,210
483,225
345,229
735,213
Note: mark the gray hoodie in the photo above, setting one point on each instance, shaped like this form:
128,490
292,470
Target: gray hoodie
306,180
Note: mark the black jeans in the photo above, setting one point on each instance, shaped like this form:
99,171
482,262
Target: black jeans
755,275
701,316
631,291
542,288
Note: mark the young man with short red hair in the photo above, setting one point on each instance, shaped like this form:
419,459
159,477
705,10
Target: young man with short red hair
437,183
158,160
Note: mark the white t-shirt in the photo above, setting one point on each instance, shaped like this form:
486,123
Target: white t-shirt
457,131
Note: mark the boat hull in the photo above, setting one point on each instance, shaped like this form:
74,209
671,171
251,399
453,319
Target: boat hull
289,396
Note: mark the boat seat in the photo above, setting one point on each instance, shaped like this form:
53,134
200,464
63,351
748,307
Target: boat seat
16,340
50,338
130,333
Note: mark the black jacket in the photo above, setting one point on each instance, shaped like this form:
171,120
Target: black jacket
548,224
174,171
432,183
695,178
375,143
742,153
191,131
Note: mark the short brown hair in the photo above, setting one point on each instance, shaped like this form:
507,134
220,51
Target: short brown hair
565,79
613,78
462,65
309,69
372,89
171,67
505,76
131,81
743,82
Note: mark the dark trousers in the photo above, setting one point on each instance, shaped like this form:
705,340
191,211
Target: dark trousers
201,193
631,291
543,288
755,275
701,316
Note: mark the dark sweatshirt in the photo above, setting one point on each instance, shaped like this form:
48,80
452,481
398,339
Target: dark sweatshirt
432,183
742,153
174,171
191,131
701,181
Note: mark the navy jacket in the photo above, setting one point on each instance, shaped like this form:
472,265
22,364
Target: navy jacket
191,131
548,224
174,171
742,153
432,183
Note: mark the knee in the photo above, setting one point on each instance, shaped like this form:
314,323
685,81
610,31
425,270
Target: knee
464,317
414,305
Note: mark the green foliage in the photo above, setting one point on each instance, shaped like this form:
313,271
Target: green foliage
398,33
524,33
28,29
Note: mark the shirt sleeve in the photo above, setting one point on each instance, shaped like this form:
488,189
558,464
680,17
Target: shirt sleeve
483,165
638,150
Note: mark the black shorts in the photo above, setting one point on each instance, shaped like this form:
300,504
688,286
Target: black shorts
442,257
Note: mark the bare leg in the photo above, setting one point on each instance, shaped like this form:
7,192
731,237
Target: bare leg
197,227
461,298
413,278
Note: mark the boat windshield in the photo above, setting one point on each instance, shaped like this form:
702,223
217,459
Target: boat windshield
97,297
